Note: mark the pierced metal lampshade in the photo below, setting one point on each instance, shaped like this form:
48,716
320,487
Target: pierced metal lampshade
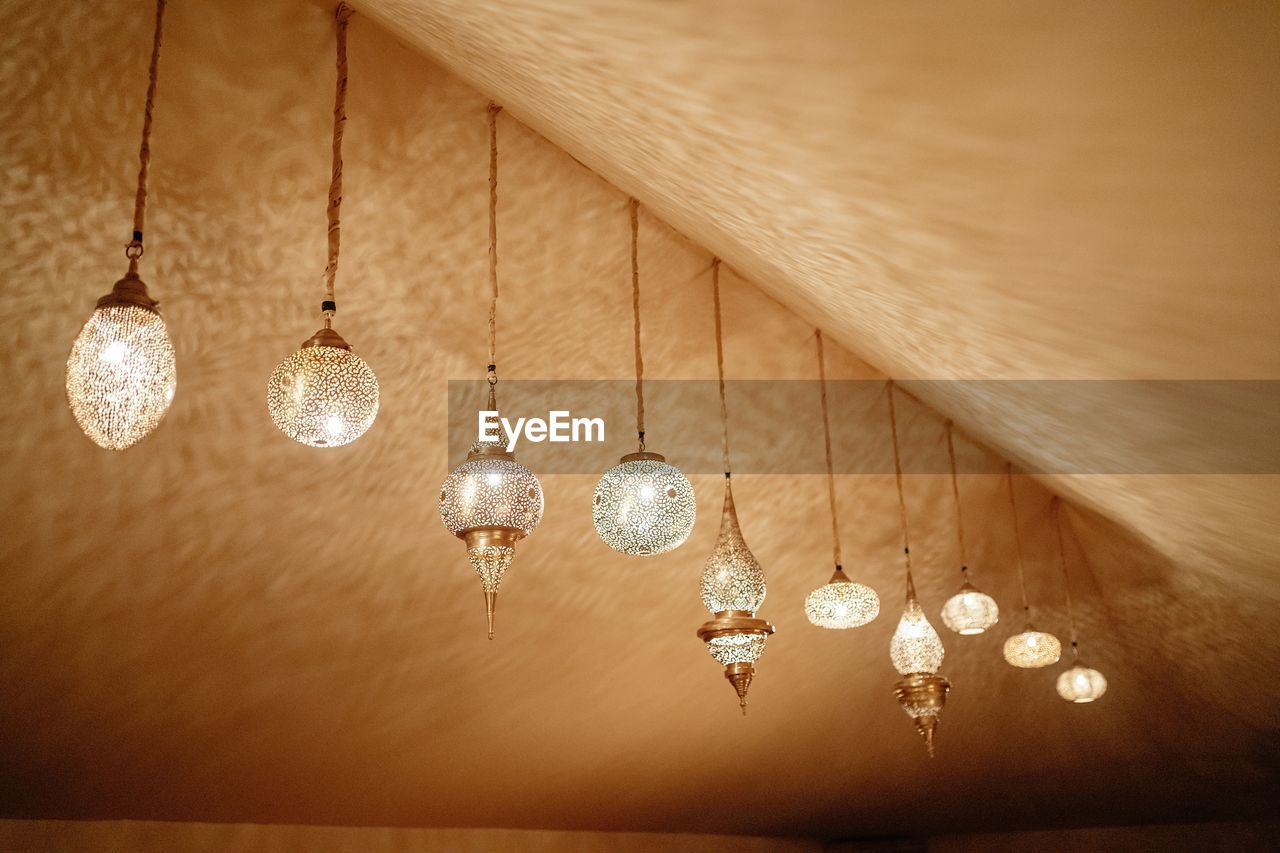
643,505
736,639
970,611
1032,649
732,578
324,395
840,603
490,502
121,373
916,652
916,646
733,589
1080,684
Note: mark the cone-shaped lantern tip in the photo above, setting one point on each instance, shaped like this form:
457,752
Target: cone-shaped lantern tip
490,601
926,726
740,677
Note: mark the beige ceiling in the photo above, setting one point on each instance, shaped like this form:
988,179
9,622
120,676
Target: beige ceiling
222,625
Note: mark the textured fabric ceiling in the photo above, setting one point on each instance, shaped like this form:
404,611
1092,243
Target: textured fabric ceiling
223,625
990,191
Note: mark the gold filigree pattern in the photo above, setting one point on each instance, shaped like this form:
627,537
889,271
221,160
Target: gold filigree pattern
643,507
323,396
121,375
842,604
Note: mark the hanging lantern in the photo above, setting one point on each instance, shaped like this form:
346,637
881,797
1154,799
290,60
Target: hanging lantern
969,611
643,505
121,373
840,603
916,652
1032,649
915,649
324,395
732,581
491,501
1079,684
733,589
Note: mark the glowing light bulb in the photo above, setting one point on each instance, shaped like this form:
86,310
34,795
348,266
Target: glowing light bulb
323,395
115,352
643,506
121,373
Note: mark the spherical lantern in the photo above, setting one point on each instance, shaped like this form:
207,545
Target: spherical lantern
643,505
733,589
1032,649
969,611
324,395
916,652
490,502
121,374
1080,684
841,603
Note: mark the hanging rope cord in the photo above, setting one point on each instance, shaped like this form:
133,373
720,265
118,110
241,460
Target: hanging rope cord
826,438
329,306
133,249
902,501
724,409
634,207
1017,541
955,494
492,370
1056,506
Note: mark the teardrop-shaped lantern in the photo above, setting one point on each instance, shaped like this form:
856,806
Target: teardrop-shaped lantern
732,578
733,589
121,374
732,581
916,651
